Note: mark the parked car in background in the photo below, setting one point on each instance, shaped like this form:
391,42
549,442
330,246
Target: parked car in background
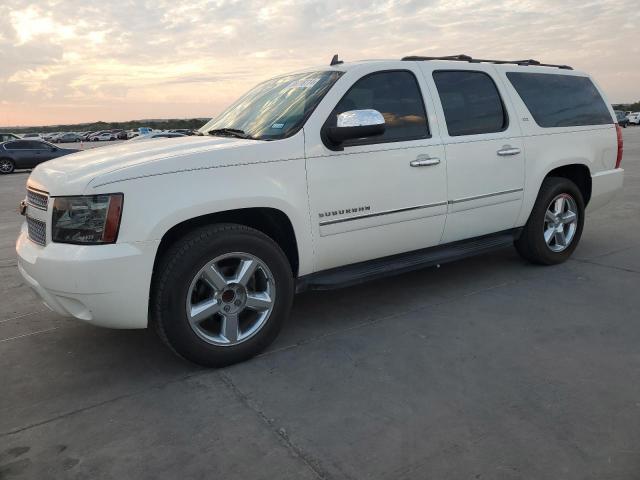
634,118
32,135
319,179
623,121
5,137
143,130
67,138
102,137
151,136
23,153
121,134
48,137
184,131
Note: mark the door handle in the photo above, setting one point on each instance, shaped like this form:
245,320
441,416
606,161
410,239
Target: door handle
424,161
508,150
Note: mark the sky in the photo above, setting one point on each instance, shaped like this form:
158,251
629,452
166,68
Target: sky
71,61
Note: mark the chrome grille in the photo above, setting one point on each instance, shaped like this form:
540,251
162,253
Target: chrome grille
37,231
37,199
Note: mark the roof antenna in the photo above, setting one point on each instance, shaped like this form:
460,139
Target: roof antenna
335,61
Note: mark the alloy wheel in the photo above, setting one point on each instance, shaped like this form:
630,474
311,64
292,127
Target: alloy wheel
6,166
560,222
230,299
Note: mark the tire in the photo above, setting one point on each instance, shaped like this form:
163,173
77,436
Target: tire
179,289
532,243
7,166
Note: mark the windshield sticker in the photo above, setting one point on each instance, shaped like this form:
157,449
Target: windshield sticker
277,125
306,83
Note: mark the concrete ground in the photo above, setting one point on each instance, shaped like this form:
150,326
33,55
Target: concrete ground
488,368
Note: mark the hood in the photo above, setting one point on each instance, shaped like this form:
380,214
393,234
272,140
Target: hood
70,174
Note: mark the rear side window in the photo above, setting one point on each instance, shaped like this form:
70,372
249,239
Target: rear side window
471,102
396,95
560,100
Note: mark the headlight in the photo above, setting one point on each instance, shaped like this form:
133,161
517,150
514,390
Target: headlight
87,220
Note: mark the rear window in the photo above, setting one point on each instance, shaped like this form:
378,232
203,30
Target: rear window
561,100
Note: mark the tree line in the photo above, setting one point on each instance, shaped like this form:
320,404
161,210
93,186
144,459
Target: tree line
634,107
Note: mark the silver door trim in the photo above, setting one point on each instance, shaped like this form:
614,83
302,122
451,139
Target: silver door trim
486,195
378,214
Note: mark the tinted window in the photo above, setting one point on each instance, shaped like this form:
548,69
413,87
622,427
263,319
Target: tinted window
471,103
560,100
35,145
397,96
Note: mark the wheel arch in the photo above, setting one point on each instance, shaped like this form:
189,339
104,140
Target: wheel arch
579,174
271,221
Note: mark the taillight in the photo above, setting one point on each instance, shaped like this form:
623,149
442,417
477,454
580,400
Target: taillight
619,135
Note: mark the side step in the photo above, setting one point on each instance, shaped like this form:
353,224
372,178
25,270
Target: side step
405,262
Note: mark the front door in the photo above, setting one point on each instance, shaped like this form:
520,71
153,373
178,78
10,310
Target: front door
380,195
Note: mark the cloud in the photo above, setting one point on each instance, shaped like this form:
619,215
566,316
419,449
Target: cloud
82,60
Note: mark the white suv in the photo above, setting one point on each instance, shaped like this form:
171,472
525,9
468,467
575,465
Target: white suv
313,180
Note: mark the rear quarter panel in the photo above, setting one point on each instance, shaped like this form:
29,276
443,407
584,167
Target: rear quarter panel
594,146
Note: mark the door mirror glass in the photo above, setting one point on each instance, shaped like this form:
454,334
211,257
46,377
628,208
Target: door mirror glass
356,124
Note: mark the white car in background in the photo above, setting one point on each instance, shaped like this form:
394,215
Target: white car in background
634,118
319,179
151,136
103,137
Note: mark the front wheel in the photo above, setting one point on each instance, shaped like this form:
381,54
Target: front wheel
555,225
221,294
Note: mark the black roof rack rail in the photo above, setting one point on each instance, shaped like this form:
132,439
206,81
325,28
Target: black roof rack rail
467,58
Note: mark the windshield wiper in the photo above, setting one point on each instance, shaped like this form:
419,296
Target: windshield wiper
230,132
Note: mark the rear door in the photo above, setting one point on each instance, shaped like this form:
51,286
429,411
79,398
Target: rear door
484,150
20,152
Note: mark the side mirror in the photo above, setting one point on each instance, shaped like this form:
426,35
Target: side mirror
356,124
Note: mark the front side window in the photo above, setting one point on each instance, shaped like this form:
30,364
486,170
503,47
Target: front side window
556,100
274,109
397,96
471,102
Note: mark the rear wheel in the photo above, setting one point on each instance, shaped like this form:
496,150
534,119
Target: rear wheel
6,166
221,294
555,225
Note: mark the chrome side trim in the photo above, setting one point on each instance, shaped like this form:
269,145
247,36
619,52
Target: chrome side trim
378,214
486,195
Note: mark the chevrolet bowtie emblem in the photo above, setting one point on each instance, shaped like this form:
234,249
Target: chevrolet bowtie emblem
22,208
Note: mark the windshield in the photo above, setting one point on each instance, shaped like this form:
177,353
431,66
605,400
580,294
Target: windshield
274,109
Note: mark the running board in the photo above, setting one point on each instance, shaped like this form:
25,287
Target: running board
405,262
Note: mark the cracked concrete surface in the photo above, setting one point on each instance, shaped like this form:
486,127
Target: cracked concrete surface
484,368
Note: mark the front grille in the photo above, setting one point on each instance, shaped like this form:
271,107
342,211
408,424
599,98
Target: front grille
37,199
37,231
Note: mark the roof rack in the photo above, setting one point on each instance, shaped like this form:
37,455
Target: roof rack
467,58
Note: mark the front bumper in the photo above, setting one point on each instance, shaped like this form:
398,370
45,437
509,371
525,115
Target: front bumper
604,186
105,285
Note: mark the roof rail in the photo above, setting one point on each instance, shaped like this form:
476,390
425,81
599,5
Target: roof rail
467,58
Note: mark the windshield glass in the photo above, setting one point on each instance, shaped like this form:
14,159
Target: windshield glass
276,108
